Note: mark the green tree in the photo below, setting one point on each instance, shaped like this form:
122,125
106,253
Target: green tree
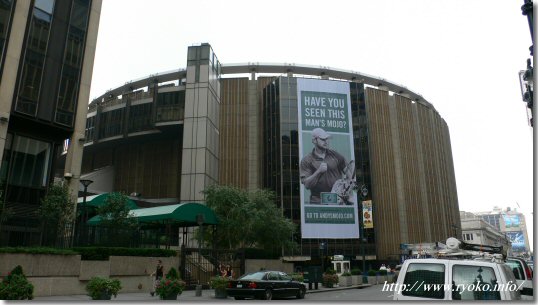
249,219
270,227
56,212
117,218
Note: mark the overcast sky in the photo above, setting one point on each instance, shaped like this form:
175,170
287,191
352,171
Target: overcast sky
462,56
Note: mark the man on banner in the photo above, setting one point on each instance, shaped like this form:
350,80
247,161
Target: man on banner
323,168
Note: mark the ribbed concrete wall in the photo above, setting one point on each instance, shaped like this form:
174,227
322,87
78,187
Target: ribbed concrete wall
234,132
413,181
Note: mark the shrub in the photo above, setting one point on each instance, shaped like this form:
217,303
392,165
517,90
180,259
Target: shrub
356,271
170,285
346,274
172,274
219,282
330,271
299,277
329,280
167,287
382,272
372,272
15,286
97,286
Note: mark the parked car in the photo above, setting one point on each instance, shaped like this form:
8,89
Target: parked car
523,275
531,265
265,285
456,279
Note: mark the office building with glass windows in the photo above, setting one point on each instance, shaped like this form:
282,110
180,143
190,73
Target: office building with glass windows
46,61
511,223
168,136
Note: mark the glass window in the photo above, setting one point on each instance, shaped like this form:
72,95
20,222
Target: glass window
253,276
72,63
34,59
140,117
474,283
516,268
424,273
112,123
30,162
273,276
284,277
45,5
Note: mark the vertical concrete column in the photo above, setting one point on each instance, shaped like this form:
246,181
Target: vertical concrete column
253,135
398,170
200,153
11,64
422,174
441,205
73,160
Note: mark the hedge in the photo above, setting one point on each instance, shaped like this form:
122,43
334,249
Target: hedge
93,253
37,250
103,253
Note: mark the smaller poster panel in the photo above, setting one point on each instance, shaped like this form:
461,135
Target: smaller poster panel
511,221
518,240
367,215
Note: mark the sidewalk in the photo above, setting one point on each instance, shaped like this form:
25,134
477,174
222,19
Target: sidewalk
186,296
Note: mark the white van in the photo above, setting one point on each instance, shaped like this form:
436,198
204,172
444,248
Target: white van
455,279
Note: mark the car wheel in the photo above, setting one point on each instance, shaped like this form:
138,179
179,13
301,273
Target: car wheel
268,295
301,293
239,298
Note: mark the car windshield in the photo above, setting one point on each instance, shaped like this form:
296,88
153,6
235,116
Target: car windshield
253,276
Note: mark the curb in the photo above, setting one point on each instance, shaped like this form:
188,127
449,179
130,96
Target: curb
338,288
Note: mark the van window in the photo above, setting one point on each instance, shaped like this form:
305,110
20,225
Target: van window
516,268
419,275
474,283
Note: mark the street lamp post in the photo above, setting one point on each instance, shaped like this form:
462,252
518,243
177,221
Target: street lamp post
85,183
362,195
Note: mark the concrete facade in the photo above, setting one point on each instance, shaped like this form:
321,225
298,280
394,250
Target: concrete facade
68,274
404,140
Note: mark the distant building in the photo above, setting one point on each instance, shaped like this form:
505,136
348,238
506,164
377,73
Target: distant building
476,230
46,61
512,223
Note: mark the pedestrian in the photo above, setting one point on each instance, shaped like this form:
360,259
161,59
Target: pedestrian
229,272
158,274
222,270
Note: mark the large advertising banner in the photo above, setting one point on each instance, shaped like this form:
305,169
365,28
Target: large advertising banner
518,240
327,166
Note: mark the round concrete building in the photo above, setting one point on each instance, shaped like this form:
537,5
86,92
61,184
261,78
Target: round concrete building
170,135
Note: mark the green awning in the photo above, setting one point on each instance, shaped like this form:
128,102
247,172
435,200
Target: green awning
96,201
183,213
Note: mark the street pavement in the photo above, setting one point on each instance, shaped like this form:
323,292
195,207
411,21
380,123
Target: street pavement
188,296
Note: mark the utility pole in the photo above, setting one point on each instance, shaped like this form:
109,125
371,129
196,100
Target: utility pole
526,76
